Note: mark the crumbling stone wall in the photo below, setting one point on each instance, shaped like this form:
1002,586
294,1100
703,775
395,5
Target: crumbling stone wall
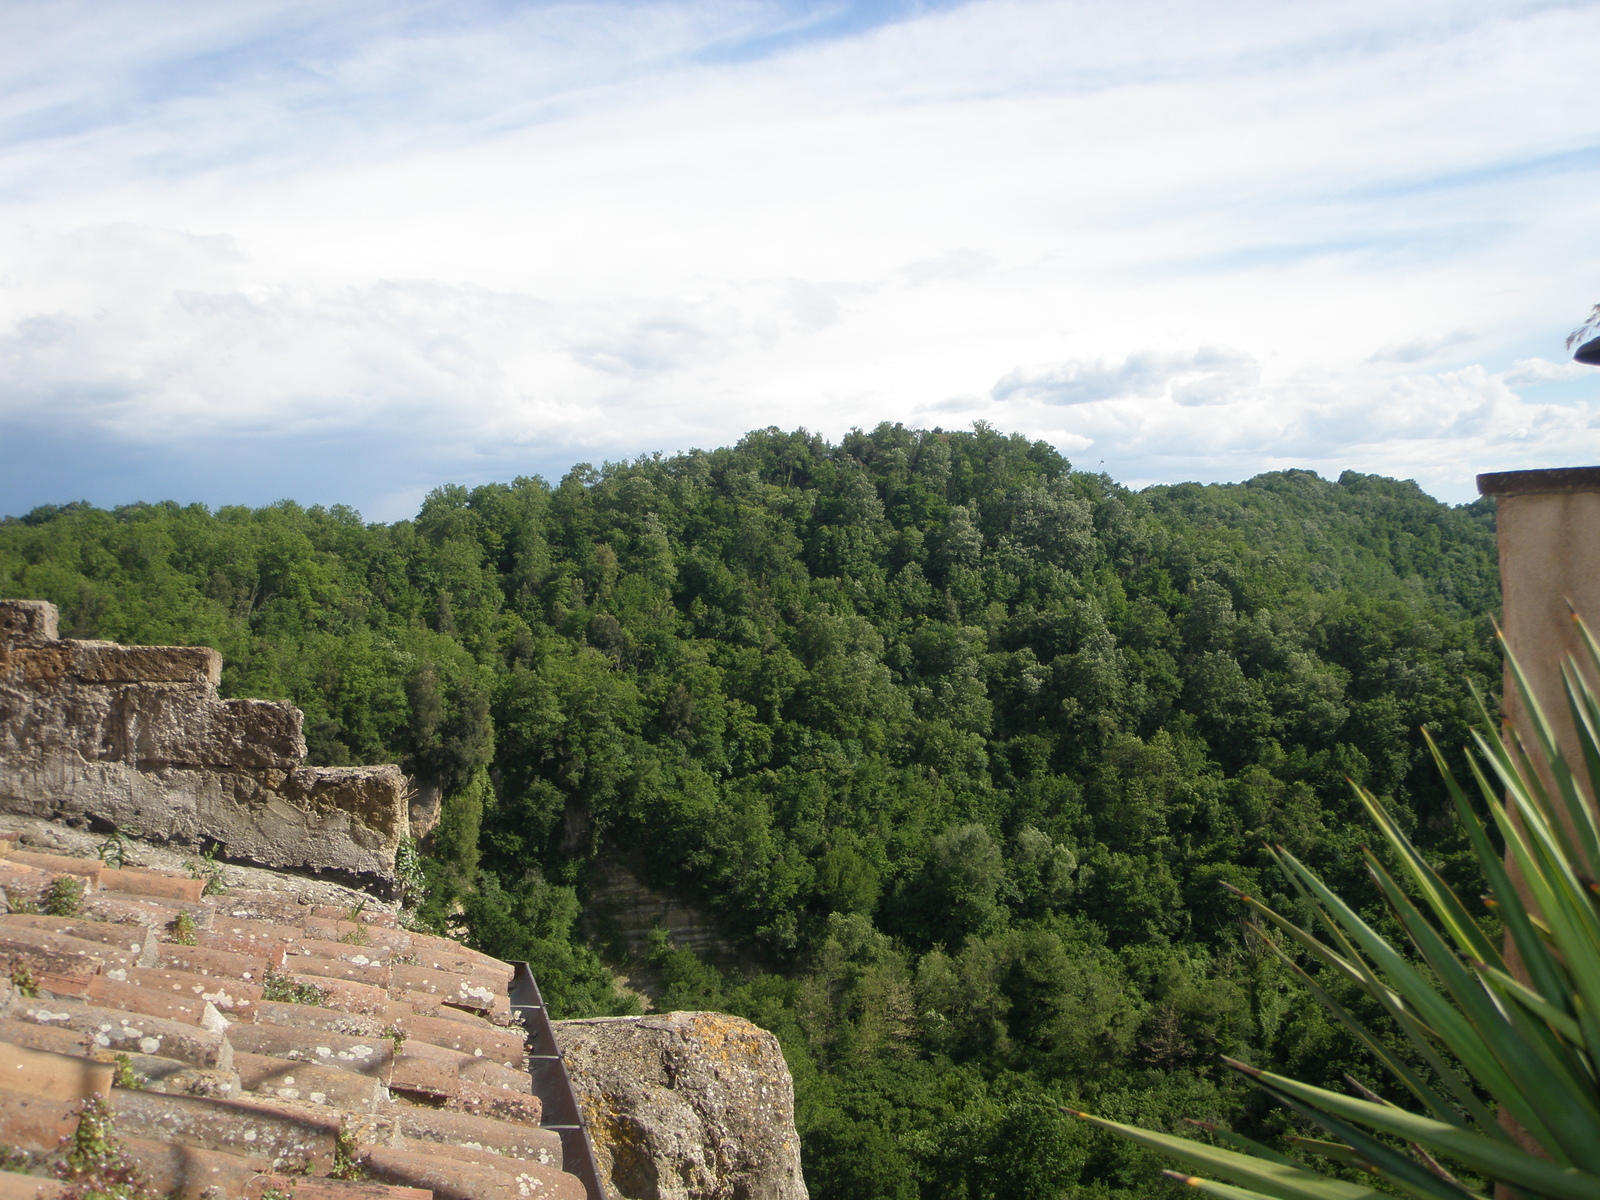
137,738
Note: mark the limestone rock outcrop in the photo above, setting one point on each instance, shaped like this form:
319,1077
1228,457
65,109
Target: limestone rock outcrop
686,1106
136,738
621,909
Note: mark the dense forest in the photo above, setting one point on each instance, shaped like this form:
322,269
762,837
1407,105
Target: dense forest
952,741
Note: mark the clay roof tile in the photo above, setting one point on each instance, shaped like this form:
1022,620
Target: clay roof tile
236,1086
234,998
203,960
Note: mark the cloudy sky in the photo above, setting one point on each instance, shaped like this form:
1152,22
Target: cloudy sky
346,252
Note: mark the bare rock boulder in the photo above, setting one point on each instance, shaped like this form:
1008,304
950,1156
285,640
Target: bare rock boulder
686,1106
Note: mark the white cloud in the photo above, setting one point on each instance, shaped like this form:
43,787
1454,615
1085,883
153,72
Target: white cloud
1208,375
1421,349
1530,372
1439,428
1200,241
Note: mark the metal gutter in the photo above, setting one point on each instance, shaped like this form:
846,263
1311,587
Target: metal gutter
552,1084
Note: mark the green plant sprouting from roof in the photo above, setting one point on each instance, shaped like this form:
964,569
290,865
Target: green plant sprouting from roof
122,1074
94,1163
1513,1034
65,897
114,850
285,989
183,929
208,868
347,1164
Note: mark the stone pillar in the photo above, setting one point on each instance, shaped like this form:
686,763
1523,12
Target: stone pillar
1548,526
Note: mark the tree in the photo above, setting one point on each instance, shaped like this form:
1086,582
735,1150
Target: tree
1501,1054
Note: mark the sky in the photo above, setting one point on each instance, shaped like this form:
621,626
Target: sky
345,253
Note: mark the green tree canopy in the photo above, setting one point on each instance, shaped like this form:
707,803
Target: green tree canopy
952,742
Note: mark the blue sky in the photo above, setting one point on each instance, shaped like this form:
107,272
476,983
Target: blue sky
344,253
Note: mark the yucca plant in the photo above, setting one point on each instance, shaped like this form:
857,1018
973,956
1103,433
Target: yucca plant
1492,1038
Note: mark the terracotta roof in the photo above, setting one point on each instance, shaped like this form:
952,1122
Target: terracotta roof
266,1044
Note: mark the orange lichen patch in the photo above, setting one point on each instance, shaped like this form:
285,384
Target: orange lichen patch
36,664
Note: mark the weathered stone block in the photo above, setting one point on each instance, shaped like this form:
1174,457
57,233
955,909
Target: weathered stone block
256,733
27,622
108,662
137,737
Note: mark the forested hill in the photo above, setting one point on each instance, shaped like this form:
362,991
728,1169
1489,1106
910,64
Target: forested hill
955,743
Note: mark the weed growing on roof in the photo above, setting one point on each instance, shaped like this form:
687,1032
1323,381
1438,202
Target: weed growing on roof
20,904
95,1166
396,1036
404,960
413,887
22,980
276,1193
65,897
208,868
353,913
183,929
114,851
284,990
356,937
122,1075
18,1162
345,1163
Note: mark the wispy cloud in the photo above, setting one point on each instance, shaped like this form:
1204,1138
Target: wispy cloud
1429,426
1196,241
1421,349
1208,375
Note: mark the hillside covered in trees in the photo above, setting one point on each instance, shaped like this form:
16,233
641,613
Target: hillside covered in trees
953,741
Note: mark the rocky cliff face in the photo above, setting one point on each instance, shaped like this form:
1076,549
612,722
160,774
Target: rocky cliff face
686,1106
622,911
136,738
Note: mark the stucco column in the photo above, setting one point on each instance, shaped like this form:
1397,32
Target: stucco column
1548,526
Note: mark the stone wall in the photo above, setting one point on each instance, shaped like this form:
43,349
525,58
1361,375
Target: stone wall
136,738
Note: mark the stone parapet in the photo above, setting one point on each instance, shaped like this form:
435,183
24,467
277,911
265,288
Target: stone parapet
136,737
